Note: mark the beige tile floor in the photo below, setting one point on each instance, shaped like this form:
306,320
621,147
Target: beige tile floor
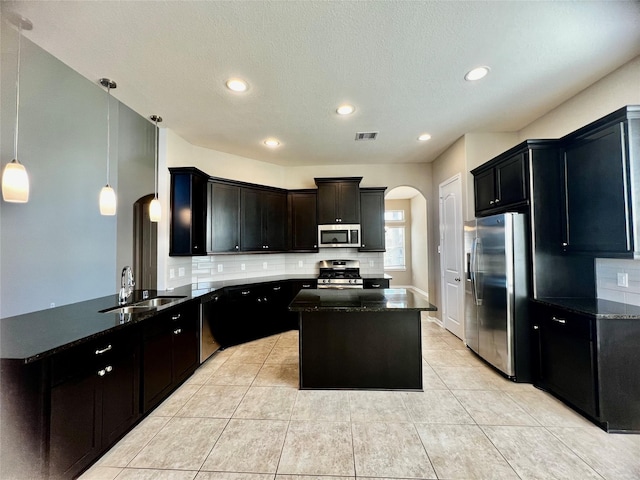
241,416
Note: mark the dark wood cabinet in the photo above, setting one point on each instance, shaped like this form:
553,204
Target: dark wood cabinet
601,179
566,352
263,220
188,216
169,352
223,217
338,200
375,283
303,220
590,362
501,183
94,400
372,219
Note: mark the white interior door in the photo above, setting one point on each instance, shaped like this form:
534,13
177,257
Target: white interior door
451,228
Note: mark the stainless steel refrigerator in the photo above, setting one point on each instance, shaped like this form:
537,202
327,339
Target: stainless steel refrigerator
497,285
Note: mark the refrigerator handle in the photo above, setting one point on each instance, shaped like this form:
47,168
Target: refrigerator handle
472,270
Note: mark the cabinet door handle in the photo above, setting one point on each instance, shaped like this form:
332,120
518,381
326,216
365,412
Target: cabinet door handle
491,202
176,317
565,244
108,369
102,373
306,285
559,320
103,350
497,200
245,292
276,289
375,285
536,327
177,331
237,247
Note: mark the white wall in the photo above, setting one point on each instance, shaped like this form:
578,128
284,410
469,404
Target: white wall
419,245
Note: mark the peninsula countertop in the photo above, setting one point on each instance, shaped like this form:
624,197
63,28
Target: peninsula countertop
359,300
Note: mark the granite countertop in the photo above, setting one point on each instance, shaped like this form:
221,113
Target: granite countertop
36,335
594,307
359,300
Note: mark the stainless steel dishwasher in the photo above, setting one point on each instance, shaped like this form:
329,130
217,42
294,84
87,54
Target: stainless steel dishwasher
208,344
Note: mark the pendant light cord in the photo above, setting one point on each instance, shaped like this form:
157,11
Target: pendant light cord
15,140
108,128
155,163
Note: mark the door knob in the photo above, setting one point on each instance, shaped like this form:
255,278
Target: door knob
457,279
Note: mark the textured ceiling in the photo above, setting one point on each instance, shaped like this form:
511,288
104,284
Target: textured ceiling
400,63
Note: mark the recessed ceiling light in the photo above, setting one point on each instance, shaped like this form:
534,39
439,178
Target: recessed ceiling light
237,85
272,142
424,137
476,74
346,109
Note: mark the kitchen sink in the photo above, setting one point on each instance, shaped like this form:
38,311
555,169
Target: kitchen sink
142,305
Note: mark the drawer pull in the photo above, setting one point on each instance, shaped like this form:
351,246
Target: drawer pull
177,331
105,349
306,285
375,285
276,289
176,317
245,292
536,327
559,320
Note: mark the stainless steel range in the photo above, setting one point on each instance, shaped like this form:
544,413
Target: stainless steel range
340,274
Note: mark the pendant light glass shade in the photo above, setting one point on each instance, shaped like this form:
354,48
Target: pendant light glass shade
15,181
155,209
107,201
108,194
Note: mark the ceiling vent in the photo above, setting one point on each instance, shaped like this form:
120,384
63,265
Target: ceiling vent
366,136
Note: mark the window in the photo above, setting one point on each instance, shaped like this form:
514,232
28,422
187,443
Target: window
394,258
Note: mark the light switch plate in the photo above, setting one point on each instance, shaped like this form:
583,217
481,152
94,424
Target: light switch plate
300,263
623,279
181,272
172,273
264,265
243,267
220,267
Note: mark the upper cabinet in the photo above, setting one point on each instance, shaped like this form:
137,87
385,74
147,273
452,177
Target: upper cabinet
303,220
338,200
223,217
601,186
501,183
188,222
372,219
263,220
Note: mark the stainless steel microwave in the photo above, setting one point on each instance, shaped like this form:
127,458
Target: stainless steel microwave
338,235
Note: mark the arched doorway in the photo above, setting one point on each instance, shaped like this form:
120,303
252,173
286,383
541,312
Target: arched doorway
406,218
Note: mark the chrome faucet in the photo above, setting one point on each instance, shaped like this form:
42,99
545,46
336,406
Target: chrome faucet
126,285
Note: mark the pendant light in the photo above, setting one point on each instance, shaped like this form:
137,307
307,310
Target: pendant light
108,194
15,181
155,210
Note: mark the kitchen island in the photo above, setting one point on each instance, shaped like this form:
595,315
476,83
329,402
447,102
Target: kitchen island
360,339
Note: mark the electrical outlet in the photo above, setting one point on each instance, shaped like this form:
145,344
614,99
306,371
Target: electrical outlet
172,273
623,279
181,272
372,263
52,305
300,263
220,267
264,265
243,267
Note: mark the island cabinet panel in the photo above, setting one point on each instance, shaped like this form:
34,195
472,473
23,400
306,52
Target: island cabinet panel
263,220
364,350
188,215
303,220
501,184
170,352
372,219
601,186
94,400
338,200
223,218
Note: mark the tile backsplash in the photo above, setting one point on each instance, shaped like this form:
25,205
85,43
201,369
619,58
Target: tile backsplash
214,268
611,273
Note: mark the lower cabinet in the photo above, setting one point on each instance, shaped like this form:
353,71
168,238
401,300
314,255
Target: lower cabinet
169,352
566,352
592,363
94,400
376,283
